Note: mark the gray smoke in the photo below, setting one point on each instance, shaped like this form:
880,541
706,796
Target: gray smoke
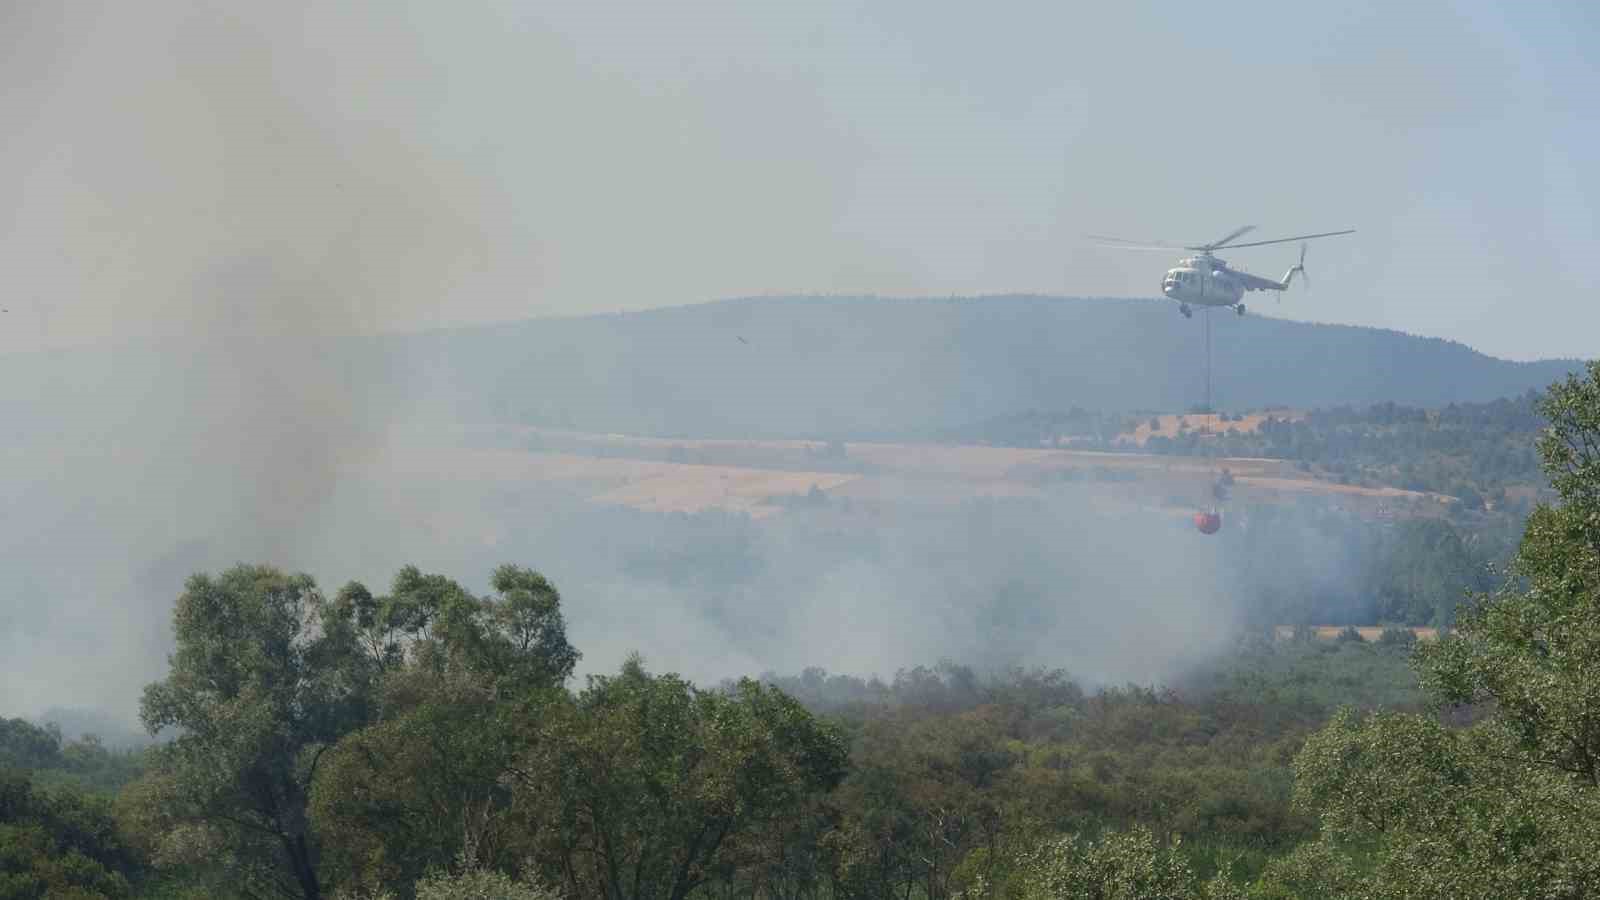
212,210
195,229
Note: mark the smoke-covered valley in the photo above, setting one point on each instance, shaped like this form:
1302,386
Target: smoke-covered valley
671,451
138,467
235,232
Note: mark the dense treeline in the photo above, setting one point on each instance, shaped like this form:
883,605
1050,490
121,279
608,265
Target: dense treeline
1283,565
61,843
1474,451
955,775
950,774
85,763
425,742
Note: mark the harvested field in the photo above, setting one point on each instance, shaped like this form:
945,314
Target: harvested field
1170,424
1324,487
754,477
697,488
641,484
1368,633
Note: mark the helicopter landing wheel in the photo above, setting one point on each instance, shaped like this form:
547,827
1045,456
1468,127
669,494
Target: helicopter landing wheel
1187,312
1239,309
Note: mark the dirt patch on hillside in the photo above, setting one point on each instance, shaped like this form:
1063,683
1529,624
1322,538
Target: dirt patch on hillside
1369,633
1171,425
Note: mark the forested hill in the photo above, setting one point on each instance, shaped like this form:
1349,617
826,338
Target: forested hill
875,367
769,367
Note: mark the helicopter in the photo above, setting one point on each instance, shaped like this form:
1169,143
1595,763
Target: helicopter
1205,280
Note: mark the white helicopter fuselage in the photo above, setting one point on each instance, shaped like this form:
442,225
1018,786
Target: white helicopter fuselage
1207,281
1203,281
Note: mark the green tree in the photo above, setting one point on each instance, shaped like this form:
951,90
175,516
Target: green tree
644,786
1315,870
1130,865
265,678
1423,571
24,745
471,884
1532,649
1445,813
478,884
1509,807
59,844
421,787
464,680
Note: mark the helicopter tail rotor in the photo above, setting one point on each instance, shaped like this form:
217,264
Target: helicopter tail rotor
1298,268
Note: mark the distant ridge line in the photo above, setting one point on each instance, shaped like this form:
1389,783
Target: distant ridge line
865,299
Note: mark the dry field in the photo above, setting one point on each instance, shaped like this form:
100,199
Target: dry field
1248,424
690,489
1368,633
639,483
759,477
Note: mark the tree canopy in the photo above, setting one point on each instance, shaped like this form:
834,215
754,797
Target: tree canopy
1510,806
425,742
644,786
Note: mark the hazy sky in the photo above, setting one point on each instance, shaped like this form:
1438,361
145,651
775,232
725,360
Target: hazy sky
451,162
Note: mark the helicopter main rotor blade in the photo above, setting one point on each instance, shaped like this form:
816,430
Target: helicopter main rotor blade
1222,243
1155,247
1301,237
1104,240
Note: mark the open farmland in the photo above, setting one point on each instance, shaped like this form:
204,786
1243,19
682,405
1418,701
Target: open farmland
642,484
1171,423
1369,633
762,478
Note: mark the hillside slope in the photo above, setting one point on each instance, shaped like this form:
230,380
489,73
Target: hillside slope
805,367
875,367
